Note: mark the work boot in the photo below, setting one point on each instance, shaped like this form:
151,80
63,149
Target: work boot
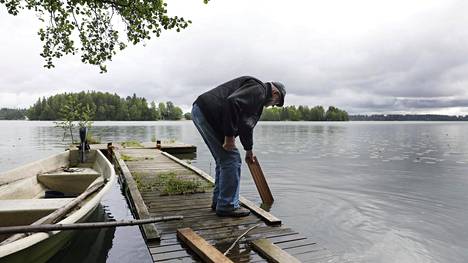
238,212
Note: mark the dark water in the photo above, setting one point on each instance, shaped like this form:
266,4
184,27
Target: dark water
368,191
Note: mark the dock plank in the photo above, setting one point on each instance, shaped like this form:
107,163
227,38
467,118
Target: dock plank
149,230
272,252
200,246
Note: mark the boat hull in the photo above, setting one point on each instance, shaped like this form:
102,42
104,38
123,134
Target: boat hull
42,251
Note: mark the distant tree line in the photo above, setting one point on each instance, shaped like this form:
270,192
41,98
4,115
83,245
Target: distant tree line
407,117
104,106
304,113
12,114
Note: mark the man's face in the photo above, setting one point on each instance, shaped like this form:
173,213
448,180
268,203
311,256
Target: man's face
275,97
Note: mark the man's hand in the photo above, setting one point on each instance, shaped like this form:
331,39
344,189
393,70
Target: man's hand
249,157
229,143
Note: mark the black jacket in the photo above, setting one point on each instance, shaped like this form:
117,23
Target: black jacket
234,108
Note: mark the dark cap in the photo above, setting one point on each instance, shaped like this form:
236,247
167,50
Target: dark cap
282,91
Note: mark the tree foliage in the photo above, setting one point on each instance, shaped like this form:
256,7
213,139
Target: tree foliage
335,114
12,114
95,24
99,106
188,116
73,111
304,113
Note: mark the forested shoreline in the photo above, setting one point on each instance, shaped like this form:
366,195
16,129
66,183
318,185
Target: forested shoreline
304,113
104,106
12,114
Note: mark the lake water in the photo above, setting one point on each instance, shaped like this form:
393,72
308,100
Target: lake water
368,191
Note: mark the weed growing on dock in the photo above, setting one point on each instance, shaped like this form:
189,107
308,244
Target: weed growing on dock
126,158
139,181
176,186
145,184
170,184
132,143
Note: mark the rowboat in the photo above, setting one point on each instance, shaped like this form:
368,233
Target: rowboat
56,190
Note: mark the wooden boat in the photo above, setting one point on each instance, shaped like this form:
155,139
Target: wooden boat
36,192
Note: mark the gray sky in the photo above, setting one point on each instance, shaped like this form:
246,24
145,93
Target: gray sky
365,56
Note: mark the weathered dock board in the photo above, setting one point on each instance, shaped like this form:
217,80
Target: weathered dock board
149,230
169,147
172,147
272,251
207,252
150,169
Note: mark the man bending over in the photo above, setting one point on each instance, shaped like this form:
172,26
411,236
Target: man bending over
232,109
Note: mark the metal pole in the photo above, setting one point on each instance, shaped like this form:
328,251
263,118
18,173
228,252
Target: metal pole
77,226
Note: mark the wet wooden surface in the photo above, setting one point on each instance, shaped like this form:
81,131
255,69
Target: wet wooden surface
272,252
147,164
203,249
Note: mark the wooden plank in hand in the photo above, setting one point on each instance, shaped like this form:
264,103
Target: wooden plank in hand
272,252
260,181
201,247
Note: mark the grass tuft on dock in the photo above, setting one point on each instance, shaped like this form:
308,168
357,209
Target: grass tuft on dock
132,143
126,158
175,186
170,184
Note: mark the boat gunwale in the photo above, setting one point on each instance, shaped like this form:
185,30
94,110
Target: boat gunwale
3,176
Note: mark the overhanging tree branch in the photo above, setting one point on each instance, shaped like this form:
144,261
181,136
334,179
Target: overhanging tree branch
92,22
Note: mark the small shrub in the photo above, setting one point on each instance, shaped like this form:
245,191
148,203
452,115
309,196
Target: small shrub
91,139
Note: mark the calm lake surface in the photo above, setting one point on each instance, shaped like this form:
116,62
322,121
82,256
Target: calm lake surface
368,191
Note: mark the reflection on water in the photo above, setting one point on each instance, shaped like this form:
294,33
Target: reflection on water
374,192
368,191
96,241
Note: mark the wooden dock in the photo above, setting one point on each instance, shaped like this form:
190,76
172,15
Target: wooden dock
147,172
169,147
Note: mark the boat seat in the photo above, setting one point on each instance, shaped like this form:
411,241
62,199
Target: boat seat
25,211
71,182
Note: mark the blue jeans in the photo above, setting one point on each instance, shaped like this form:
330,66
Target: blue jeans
228,165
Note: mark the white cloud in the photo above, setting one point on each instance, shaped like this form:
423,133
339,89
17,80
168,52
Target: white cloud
362,55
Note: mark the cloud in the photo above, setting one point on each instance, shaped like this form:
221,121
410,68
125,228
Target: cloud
431,103
364,56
